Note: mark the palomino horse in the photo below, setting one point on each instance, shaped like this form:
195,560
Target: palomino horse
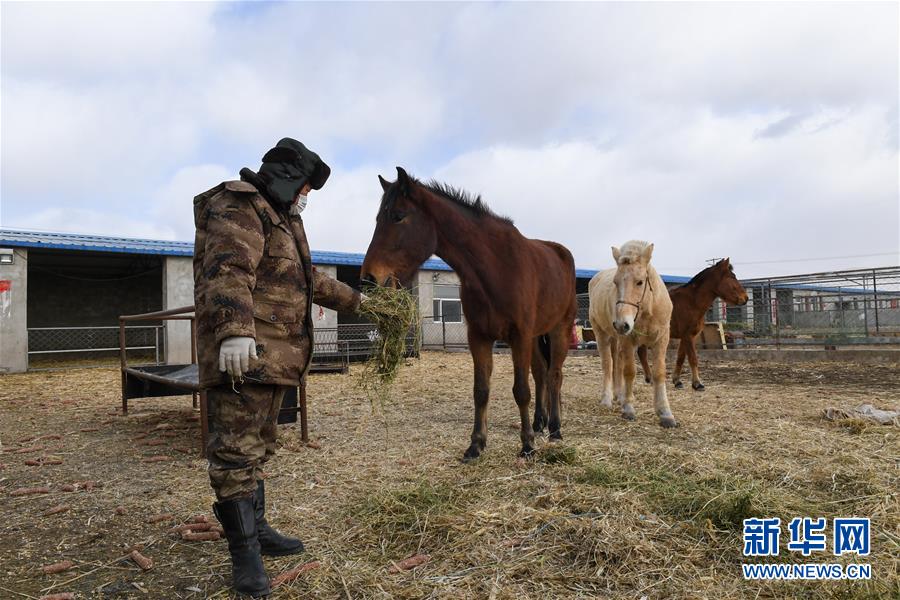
513,289
689,305
630,307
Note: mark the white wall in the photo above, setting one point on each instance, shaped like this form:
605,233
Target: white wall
178,291
14,314
434,333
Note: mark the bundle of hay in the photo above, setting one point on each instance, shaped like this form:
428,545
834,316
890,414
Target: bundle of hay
395,313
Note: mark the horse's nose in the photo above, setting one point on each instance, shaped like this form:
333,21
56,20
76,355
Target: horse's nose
366,280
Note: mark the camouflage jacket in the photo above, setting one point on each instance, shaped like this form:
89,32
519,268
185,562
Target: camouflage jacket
253,277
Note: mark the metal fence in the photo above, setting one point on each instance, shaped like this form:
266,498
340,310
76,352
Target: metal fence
836,308
64,346
839,308
47,345
353,342
853,307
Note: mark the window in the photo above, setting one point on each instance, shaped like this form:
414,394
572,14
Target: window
446,306
447,310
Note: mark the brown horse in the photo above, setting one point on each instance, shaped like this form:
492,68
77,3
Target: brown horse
513,289
689,305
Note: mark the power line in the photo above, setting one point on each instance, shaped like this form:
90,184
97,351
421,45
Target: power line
785,260
792,260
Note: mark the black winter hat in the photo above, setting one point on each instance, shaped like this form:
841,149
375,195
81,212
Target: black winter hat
287,168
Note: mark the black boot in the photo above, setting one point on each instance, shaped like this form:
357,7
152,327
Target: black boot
271,542
239,522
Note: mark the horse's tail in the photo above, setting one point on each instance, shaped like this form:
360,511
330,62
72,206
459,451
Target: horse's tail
544,345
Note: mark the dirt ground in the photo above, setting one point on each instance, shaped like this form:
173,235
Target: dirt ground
618,509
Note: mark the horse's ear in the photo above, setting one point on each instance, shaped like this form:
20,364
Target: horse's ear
648,252
726,262
616,254
403,181
385,184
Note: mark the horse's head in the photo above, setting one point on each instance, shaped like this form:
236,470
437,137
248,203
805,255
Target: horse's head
633,283
729,288
405,234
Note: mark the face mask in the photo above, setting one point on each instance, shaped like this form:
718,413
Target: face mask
299,205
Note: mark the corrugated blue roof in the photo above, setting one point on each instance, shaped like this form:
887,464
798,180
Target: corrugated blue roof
100,243
96,243
588,273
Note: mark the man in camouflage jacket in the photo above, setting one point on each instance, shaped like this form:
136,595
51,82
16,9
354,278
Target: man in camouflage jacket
254,287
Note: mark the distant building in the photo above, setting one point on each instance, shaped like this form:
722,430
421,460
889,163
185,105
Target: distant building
63,292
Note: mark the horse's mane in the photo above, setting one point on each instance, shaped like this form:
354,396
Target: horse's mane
702,275
474,205
632,251
464,199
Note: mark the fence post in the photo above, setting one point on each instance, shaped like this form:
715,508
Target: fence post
841,306
875,295
865,307
123,362
444,330
773,301
156,343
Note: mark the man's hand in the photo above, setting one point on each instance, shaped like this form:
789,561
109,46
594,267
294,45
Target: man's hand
235,354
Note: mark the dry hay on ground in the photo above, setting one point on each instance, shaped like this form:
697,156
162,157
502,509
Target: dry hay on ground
617,509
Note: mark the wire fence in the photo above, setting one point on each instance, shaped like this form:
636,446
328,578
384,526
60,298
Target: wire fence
840,308
49,346
854,307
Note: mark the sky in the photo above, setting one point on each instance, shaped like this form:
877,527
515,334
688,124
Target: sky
764,132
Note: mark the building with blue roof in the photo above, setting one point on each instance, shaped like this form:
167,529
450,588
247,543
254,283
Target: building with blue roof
82,283
63,291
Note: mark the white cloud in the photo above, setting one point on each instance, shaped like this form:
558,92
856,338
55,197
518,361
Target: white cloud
103,143
173,202
80,220
753,126
724,192
76,40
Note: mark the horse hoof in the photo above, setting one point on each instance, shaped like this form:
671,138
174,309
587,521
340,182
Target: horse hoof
472,453
470,458
628,416
527,452
668,422
646,380
679,385
537,427
698,387
556,436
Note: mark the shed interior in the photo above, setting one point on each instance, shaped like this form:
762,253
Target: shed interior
76,297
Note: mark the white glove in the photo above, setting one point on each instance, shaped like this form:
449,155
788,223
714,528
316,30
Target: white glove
235,354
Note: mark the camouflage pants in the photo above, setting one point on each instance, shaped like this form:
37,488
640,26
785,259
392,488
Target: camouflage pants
243,429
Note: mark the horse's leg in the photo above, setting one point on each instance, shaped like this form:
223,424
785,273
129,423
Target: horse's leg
695,366
642,354
559,350
521,355
483,357
626,355
660,400
539,373
604,349
679,362
615,346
